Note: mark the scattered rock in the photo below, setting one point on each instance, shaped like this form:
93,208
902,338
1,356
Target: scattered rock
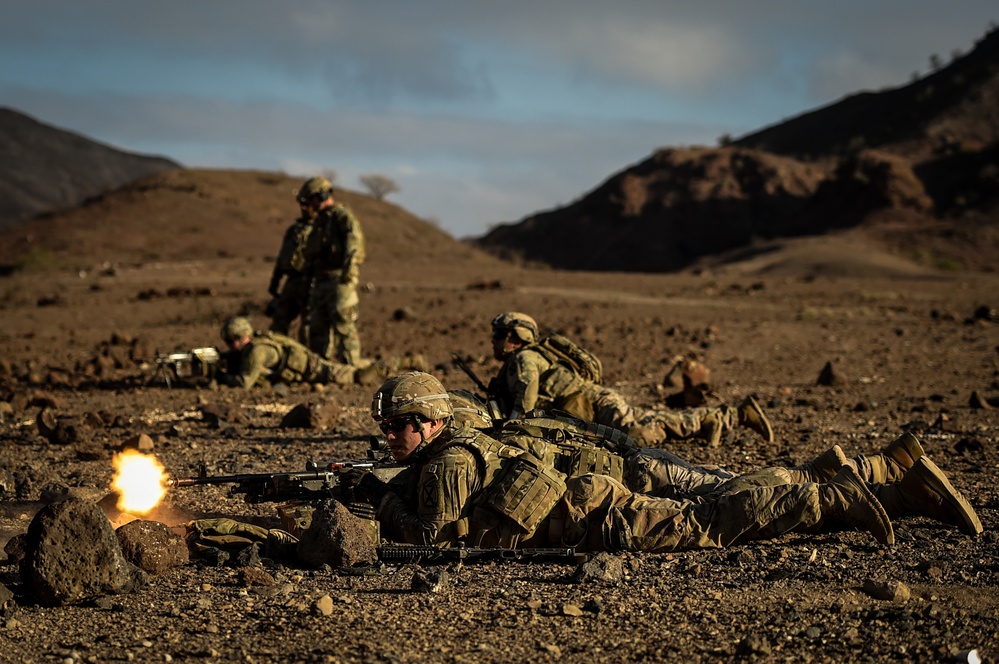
7,485
429,580
216,413
312,415
829,376
892,591
336,538
324,605
152,546
255,576
602,568
14,548
141,442
72,556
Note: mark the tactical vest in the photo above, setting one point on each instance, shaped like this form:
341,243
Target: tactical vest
574,446
519,489
293,367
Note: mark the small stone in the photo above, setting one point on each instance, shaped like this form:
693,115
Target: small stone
892,591
324,605
571,610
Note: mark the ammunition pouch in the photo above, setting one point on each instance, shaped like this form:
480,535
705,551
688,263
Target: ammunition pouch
523,493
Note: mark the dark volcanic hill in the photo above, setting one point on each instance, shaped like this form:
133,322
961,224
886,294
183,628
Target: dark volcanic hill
44,169
915,169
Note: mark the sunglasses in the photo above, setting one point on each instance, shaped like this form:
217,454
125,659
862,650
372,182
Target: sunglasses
501,335
398,425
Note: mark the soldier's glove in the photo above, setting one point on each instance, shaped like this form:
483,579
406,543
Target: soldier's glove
366,485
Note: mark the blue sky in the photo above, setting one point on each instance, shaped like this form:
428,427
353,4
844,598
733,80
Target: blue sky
483,113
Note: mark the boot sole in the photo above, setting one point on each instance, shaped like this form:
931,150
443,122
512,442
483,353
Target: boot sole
931,474
848,473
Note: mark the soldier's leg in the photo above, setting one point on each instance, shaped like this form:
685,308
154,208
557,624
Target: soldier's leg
706,422
321,301
892,462
346,343
645,523
326,372
661,473
283,312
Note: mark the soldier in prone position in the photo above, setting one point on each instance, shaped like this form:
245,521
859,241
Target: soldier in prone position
267,358
462,485
531,378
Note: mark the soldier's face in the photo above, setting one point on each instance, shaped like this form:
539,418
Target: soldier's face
504,343
403,435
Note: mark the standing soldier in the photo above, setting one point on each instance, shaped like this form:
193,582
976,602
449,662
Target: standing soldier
333,255
291,301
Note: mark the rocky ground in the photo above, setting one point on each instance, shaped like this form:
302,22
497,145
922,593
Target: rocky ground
907,351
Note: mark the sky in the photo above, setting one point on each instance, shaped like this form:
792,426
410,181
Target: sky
481,112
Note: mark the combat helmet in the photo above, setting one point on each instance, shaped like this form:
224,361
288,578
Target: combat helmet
520,324
469,410
236,328
411,393
314,187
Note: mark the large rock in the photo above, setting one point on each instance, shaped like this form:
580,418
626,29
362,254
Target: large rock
336,538
152,546
312,415
73,556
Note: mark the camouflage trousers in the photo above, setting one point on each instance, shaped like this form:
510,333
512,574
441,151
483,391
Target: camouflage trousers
659,424
598,513
326,372
291,303
658,472
333,321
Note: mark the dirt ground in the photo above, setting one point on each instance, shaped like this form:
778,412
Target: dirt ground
909,348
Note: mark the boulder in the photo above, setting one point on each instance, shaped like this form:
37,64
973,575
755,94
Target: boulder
336,538
152,546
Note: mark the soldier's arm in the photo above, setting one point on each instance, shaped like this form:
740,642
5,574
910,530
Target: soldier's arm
442,502
256,366
524,379
353,247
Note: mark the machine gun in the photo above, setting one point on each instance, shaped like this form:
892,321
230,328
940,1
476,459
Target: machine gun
315,483
195,363
401,553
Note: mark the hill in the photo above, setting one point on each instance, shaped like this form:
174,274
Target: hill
913,168
187,215
44,169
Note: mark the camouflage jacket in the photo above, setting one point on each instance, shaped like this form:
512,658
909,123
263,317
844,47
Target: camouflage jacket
272,358
528,380
335,248
291,257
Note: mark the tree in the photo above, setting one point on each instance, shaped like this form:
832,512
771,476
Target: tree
379,186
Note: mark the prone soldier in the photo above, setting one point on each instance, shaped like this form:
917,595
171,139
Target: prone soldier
462,485
532,378
267,358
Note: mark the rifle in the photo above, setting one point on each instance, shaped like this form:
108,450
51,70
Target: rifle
463,365
315,483
195,363
428,553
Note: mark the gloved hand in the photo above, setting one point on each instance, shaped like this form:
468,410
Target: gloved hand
365,485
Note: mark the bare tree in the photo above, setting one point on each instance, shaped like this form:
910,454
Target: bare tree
329,174
379,186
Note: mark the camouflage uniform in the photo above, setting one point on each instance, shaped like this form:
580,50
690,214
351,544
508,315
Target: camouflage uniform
274,358
448,495
333,256
529,380
293,298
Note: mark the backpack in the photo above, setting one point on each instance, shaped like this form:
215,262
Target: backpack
565,351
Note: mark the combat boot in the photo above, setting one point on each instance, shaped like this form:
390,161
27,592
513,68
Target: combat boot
823,467
375,373
712,428
751,416
926,491
846,499
892,462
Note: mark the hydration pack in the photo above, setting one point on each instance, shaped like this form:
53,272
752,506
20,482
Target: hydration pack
565,351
